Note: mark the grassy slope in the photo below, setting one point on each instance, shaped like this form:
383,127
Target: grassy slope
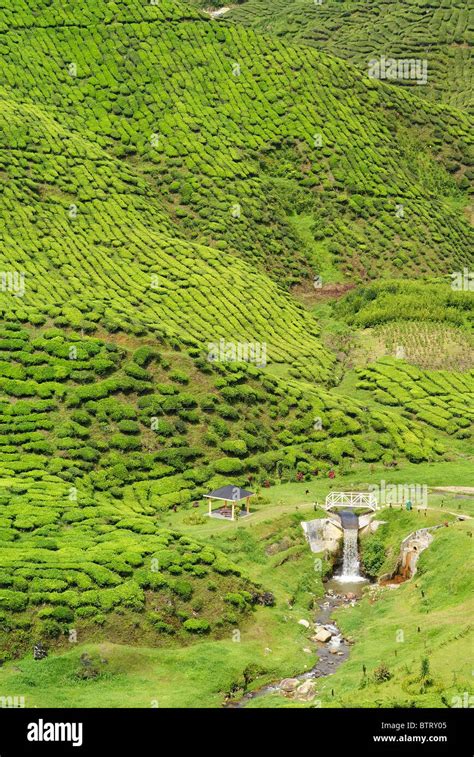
137,676
444,617
63,435
118,253
437,625
113,228
201,674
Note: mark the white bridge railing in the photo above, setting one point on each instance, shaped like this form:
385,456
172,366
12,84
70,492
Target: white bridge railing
351,499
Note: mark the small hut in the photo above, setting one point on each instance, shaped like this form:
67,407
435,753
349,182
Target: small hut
230,496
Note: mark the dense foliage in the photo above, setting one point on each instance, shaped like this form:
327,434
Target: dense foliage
438,31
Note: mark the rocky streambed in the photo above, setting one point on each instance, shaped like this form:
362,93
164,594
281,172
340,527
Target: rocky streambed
332,651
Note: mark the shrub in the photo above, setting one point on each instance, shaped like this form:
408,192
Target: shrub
193,625
160,625
222,566
176,570
382,674
144,355
136,371
373,557
13,600
234,446
183,589
236,599
52,629
82,417
199,571
118,441
128,427
63,614
180,376
151,580
227,411
86,612
228,465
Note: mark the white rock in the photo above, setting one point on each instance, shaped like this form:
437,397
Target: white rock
304,623
289,684
323,635
306,691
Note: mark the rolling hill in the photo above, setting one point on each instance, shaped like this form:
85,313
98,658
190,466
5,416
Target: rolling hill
292,164
440,33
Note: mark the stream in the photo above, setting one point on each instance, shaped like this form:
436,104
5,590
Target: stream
343,588
330,655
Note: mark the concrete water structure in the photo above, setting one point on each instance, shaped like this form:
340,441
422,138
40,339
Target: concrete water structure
410,550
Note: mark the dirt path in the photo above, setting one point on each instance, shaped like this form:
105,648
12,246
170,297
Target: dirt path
218,12
455,489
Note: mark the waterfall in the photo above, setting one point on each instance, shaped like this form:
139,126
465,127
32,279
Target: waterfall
350,558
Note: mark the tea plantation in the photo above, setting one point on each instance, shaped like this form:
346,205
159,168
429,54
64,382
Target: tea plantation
173,186
438,32
263,135
101,439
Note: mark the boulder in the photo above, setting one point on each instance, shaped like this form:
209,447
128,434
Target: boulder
289,684
304,623
306,691
39,651
323,635
350,595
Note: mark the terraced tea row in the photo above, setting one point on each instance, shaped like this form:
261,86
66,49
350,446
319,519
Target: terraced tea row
113,256
442,399
78,406
101,439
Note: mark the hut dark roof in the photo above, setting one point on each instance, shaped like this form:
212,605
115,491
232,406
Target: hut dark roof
230,493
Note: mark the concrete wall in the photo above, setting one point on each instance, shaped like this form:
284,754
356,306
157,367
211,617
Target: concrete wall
410,549
323,534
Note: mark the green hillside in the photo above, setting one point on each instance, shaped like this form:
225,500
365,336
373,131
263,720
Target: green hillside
439,32
394,629
261,138
99,247
227,256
